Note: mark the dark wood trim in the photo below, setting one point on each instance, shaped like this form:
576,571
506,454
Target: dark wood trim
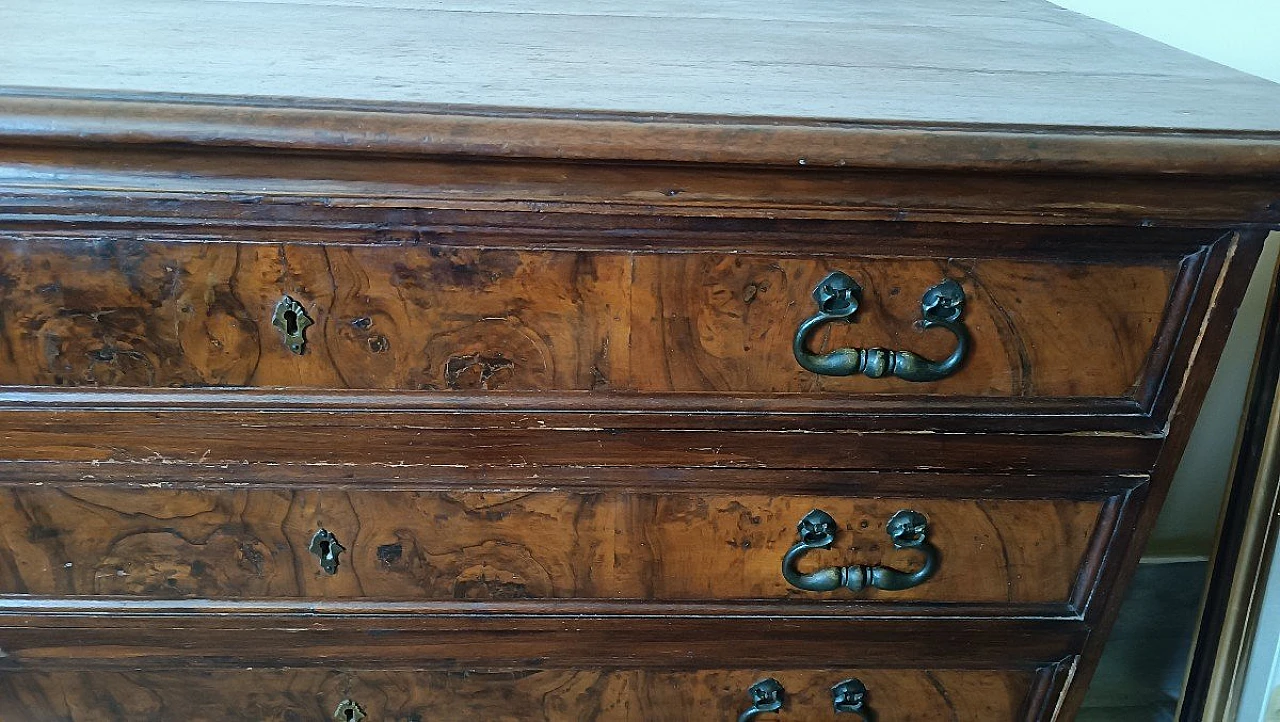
908,484
1202,349
1050,685
1107,535
393,198
245,614
621,411
426,130
1196,279
1121,548
429,641
326,443
1244,250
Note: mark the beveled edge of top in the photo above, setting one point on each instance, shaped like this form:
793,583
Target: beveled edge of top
32,116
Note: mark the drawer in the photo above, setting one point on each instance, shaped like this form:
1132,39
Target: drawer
83,312
516,695
333,544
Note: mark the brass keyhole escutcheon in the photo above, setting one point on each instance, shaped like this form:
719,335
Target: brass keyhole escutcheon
348,711
292,320
325,546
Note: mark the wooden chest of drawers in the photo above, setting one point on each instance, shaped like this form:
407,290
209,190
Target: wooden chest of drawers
597,364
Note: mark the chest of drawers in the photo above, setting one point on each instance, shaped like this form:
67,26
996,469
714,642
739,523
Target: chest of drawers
586,363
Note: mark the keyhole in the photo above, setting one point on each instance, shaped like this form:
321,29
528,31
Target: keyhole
348,711
327,547
292,320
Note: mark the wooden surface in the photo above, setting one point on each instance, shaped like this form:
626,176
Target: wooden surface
318,442
556,253
907,60
88,312
89,164
504,695
223,544
113,635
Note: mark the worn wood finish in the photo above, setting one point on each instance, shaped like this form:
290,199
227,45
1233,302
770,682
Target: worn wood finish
912,61
43,637
1091,485
250,195
573,392
97,540
320,442
1204,348
88,312
165,121
523,695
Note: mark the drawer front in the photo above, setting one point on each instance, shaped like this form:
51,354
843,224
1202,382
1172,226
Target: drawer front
514,696
442,545
91,313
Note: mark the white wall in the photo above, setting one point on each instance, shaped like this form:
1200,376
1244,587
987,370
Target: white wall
1238,33
1243,34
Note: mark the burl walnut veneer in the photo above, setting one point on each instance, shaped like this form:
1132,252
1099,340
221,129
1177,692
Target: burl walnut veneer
568,361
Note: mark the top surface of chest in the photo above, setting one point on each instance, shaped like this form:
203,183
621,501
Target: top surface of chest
904,61
1006,86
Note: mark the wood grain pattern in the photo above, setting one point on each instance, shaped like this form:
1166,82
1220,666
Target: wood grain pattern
81,312
324,443
1201,349
916,61
556,253
40,635
234,544
123,182
614,695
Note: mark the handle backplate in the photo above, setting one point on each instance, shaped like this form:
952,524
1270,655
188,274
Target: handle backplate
767,695
851,696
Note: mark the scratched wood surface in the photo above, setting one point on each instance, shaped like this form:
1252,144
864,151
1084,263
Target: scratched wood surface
88,313
291,695
904,60
227,544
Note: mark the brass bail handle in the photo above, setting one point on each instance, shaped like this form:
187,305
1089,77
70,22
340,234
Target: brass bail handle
838,296
817,530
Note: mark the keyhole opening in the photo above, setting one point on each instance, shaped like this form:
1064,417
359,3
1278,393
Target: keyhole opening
326,547
348,711
291,323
